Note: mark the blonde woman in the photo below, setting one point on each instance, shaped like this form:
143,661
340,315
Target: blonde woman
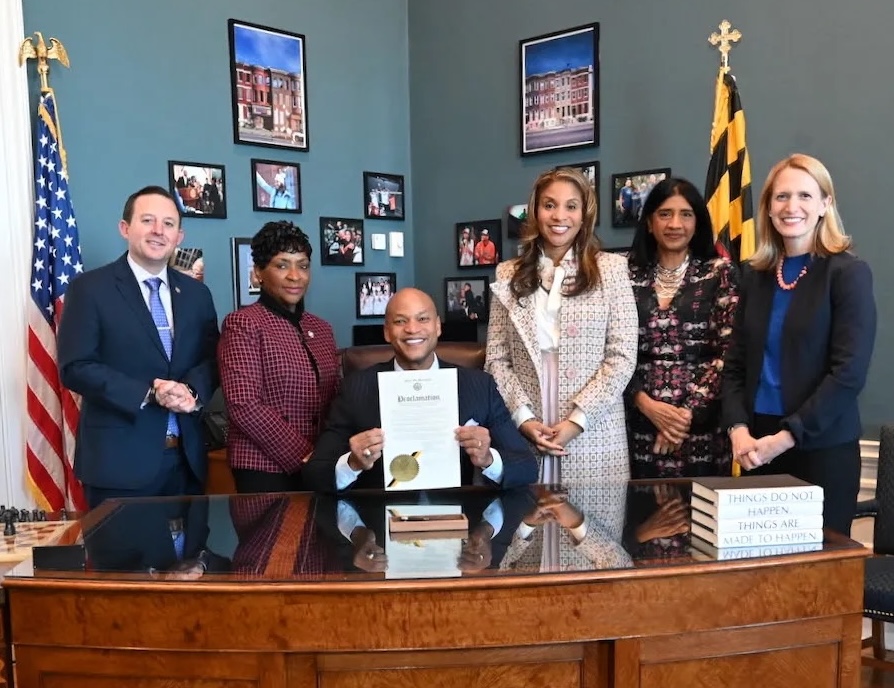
802,342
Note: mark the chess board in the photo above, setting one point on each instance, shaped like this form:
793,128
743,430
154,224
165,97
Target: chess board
15,548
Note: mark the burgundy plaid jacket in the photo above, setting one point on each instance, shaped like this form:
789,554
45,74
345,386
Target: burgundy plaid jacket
278,382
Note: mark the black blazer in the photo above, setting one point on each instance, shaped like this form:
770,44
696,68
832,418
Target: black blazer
356,409
828,336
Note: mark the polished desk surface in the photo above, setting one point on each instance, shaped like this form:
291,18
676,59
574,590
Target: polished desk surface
307,538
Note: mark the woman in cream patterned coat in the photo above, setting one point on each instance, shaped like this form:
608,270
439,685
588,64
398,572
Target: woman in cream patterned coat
562,338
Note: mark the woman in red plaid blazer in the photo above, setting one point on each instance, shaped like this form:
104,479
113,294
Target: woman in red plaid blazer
278,367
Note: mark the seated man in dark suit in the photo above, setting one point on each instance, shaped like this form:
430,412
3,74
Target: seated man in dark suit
349,450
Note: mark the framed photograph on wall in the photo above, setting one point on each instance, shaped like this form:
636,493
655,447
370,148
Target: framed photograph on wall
515,219
373,291
277,186
590,170
268,76
559,90
383,196
199,188
466,299
246,287
629,192
190,261
341,241
479,243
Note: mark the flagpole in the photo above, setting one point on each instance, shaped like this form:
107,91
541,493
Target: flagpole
53,411
43,55
728,184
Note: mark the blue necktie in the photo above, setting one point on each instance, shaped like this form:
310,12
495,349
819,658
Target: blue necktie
164,332
179,540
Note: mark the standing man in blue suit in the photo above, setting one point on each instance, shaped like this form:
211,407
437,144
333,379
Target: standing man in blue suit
138,342
349,450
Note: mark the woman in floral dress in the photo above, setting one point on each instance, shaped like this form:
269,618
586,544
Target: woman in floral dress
686,297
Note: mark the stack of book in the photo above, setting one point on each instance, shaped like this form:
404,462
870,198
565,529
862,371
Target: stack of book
769,514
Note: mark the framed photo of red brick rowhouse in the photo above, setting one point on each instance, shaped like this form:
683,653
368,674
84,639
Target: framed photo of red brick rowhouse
268,73
559,90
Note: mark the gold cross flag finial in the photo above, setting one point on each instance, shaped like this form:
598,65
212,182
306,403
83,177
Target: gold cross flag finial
56,51
724,39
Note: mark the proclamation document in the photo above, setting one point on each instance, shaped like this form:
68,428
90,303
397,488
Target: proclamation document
420,413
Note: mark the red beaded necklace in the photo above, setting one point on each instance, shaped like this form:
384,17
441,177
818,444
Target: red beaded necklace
787,286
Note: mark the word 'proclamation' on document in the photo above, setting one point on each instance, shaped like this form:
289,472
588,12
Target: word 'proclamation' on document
420,413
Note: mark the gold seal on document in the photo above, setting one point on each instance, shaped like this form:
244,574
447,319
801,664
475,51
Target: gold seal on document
404,467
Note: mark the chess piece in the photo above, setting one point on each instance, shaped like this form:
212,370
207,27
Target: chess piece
41,515
35,515
9,530
63,514
23,515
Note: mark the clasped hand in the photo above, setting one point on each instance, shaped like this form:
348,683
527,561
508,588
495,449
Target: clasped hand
174,396
550,439
750,453
673,423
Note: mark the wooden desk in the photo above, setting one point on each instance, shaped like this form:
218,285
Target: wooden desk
762,622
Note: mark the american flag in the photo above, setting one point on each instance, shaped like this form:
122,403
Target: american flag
56,258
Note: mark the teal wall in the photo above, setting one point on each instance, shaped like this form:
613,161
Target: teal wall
814,76
430,86
150,82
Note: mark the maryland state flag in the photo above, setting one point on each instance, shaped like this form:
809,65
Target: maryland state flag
728,187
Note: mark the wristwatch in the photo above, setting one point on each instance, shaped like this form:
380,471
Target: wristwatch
195,395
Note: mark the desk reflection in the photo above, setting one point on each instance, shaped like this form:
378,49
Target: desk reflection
165,538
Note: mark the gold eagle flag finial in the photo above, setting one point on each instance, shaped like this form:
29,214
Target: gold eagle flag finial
56,51
724,39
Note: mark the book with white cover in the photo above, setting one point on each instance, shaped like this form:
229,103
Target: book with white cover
756,525
756,490
751,510
756,539
705,551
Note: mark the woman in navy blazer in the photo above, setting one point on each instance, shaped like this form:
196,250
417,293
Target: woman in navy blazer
802,342
278,367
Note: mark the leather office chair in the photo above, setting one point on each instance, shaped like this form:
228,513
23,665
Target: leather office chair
465,354
878,584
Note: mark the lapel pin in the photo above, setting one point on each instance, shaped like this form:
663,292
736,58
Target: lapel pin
177,289
310,334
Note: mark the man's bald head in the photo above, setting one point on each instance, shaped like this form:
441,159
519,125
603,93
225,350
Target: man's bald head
412,327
